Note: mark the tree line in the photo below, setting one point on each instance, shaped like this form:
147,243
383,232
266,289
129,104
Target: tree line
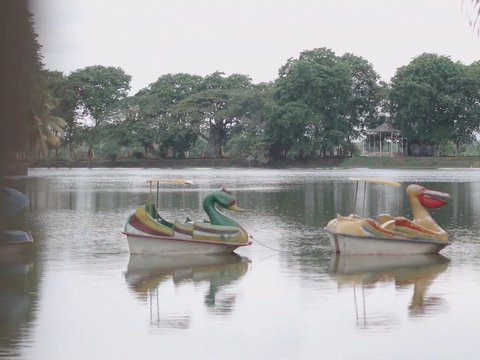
320,105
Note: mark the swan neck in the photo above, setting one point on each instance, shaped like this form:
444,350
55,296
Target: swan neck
419,212
215,216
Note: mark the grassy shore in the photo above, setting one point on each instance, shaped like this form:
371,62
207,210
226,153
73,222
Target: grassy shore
354,162
412,162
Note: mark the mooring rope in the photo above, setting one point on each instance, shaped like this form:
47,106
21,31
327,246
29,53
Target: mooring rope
269,247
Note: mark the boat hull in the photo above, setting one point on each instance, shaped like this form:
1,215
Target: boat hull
144,270
15,242
158,245
351,245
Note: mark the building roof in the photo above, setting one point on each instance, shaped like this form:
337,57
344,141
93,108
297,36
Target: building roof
386,127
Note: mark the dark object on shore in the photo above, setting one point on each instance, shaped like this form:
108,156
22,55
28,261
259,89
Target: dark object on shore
11,240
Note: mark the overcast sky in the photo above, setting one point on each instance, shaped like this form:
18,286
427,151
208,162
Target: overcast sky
150,38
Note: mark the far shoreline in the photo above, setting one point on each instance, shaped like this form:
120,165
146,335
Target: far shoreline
342,163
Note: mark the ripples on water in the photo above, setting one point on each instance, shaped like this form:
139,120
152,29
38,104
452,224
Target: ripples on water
80,295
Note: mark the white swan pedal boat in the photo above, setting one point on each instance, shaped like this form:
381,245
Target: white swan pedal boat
387,234
148,233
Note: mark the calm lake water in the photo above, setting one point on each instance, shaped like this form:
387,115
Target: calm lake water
80,295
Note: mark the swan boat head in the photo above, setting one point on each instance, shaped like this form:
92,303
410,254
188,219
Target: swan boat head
421,196
225,200
421,199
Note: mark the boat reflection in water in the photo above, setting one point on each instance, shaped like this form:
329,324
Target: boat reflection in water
365,272
17,301
146,273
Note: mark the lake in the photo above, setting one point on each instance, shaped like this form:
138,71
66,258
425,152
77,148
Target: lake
80,295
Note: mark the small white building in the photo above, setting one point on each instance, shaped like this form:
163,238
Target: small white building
384,140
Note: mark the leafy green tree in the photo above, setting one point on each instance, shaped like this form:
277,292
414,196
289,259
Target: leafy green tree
158,116
215,107
122,128
312,106
464,99
66,103
247,139
435,100
98,89
383,109
47,129
286,130
366,91
27,104
20,65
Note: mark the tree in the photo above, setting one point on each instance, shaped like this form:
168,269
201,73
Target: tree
20,63
98,89
66,103
317,103
474,13
215,107
465,100
366,91
286,130
46,129
435,100
247,140
156,111
26,101
123,127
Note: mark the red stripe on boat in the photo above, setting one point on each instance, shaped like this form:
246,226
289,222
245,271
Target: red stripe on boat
137,224
410,225
376,227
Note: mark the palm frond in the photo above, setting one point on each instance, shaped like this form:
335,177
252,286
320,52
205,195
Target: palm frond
52,140
472,10
55,122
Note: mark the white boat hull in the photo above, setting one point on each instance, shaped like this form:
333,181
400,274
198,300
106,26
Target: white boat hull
15,242
391,264
157,245
349,245
143,268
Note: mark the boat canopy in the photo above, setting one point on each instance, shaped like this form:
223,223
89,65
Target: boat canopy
170,181
157,182
377,181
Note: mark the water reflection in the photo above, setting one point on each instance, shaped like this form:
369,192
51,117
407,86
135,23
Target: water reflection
71,300
365,272
146,273
312,201
17,299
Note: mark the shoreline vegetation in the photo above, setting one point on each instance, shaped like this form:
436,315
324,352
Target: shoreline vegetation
353,162
320,104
